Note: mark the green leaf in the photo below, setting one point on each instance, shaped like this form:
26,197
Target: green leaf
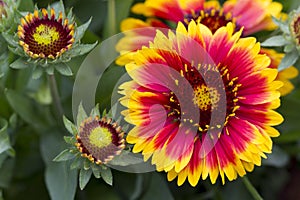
80,49
275,41
49,70
96,170
37,72
84,177
51,144
77,163
19,64
283,26
16,50
13,121
95,111
69,126
104,112
86,164
43,94
10,39
81,30
64,69
70,14
81,115
23,76
4,139
26,109
107,175
288,60
125,158
64,156
58,7
70,140
288,48
61,181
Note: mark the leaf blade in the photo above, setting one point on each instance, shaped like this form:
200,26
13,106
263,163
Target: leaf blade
84,178
64,156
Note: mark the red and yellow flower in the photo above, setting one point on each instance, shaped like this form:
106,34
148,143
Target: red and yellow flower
202,103
253,15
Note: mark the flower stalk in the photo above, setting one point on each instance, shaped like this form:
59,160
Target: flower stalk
55,95
251,188
112,17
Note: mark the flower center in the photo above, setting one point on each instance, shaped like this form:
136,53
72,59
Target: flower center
205,97
45,35
295,26
213,88
213,19
100,137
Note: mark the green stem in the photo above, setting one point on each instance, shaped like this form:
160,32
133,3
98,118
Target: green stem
251,188
112,29
55,96
138,187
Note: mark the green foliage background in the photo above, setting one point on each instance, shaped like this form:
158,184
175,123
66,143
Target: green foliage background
27,170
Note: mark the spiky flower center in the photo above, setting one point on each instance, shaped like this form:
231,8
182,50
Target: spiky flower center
205,97
212,18
208,84
99,139
45,37
295,26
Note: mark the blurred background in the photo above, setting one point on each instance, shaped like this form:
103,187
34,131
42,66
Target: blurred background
22,177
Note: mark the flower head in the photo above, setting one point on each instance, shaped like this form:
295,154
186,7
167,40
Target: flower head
254,16
94,143
45,36
99,140
48,39
201,103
